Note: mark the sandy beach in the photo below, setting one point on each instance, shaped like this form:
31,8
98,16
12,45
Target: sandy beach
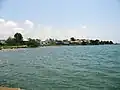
5,88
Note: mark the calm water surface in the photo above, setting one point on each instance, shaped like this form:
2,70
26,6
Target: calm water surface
62,68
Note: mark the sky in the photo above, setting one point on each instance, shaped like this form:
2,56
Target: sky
61,19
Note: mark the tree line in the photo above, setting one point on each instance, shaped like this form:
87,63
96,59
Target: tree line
90,42
18,40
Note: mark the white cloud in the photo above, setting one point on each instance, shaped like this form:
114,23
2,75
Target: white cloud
2,20
29,23
28,29
10,24
19,30
84,27
60,33
6,28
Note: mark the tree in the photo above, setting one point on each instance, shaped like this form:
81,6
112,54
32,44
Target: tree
102,42
18,38
97,42
33,42
51,41
83,42
10,41
1,44
111,42
94,42
72,39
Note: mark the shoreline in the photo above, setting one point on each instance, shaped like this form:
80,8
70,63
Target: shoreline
4,48
6,88
12,47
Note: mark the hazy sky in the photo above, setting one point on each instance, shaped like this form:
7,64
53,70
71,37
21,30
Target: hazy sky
61,19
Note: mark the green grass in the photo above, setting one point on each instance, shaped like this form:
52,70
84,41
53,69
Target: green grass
13,47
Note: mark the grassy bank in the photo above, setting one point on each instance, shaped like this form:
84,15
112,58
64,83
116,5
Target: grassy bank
13,47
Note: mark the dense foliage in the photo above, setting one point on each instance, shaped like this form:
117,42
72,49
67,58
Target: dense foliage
33,42
18,41
18,38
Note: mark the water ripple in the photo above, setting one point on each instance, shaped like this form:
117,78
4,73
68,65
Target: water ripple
62,68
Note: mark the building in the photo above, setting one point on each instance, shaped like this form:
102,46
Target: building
59,42
66,42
